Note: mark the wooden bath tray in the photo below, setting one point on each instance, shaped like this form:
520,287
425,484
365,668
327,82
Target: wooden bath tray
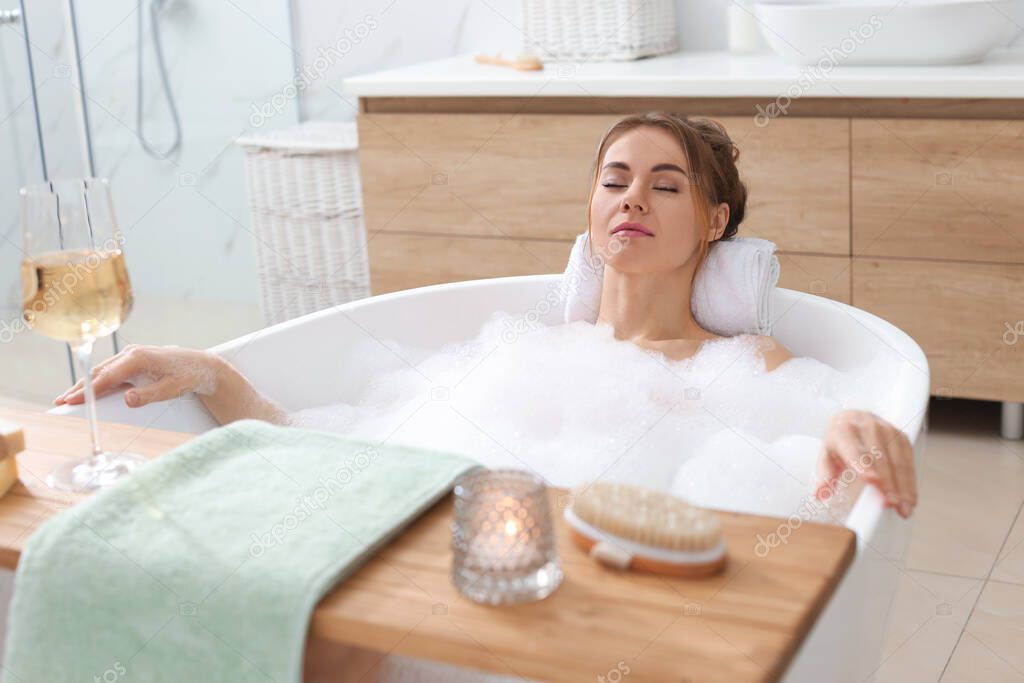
743,625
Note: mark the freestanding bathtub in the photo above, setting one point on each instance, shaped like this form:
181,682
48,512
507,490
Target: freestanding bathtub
304,362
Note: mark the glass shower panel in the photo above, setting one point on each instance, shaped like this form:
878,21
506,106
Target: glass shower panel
185,217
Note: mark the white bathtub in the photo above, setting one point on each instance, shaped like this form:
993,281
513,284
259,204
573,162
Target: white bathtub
303,363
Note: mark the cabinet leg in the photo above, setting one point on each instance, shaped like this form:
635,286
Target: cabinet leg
1012,424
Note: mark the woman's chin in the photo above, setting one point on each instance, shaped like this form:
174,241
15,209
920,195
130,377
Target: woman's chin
633,262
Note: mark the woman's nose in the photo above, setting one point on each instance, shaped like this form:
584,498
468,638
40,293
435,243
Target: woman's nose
633,199
634,203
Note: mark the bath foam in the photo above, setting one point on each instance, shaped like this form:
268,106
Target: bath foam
744,474
573,404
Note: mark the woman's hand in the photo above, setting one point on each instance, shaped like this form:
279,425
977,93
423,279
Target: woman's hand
859,443
160,373
156,373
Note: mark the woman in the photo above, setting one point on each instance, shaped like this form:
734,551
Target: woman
664,188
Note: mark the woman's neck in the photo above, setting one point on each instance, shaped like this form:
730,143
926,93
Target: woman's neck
649,306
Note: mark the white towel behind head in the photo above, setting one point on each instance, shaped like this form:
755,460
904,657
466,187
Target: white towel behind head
581,282
731,294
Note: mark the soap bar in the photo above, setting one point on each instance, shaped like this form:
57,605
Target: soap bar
8,474
12,441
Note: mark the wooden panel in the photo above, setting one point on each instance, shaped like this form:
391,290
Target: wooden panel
962,316
478,174
822,275
403,261
938,189
797,173
841,107
529,176
744,624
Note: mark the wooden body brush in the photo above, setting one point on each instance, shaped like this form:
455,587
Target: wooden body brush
521,62
630,527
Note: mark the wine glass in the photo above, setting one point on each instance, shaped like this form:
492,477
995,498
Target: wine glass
75,288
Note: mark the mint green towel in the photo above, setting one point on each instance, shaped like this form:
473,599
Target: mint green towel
207,563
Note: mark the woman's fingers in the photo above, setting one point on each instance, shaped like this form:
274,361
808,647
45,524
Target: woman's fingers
839,444
79,396
896,459
79,386
867,459
876,451
883,462
74,388
168,372
903,469
112,375
60,400
887,461
170,387
830,466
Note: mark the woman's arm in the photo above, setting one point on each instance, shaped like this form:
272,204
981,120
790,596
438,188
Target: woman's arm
860,445
160,373
234,398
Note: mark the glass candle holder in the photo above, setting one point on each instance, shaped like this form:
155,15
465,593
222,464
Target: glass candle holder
503,541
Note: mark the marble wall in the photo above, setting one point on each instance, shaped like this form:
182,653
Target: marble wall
409,32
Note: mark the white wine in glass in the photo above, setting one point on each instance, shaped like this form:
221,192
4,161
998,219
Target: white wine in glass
75,288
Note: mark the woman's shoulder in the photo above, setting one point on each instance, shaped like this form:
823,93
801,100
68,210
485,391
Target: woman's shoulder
772,350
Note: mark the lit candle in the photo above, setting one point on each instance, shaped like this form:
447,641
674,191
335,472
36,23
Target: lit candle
502,538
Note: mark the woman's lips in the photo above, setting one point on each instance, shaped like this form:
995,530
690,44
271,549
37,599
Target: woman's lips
632,229
630,232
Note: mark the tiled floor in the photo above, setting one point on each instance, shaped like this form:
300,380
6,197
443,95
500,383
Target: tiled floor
959,614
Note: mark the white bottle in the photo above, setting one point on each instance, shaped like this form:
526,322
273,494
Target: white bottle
744,35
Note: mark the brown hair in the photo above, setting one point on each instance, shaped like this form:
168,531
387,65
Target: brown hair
711,156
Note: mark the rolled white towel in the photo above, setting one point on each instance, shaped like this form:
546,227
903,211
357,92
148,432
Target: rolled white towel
731,293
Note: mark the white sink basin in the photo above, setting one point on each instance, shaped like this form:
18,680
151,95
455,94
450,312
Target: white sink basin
871,32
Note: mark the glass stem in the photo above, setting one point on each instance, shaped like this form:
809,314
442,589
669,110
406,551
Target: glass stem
83,354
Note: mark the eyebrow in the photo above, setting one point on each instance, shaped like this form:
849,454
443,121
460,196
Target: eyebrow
654,169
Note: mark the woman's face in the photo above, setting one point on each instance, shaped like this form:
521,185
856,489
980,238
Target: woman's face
644,179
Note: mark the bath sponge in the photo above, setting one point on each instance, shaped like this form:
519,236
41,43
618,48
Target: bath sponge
631,527
12,440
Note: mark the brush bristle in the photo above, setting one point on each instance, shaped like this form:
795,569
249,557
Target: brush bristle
645,516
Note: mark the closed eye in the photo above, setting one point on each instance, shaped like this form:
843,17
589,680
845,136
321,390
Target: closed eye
663,189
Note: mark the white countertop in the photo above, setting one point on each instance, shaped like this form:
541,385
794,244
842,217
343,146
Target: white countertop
696,74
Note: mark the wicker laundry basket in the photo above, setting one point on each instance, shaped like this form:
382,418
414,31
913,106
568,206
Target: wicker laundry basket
599,29
306,202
